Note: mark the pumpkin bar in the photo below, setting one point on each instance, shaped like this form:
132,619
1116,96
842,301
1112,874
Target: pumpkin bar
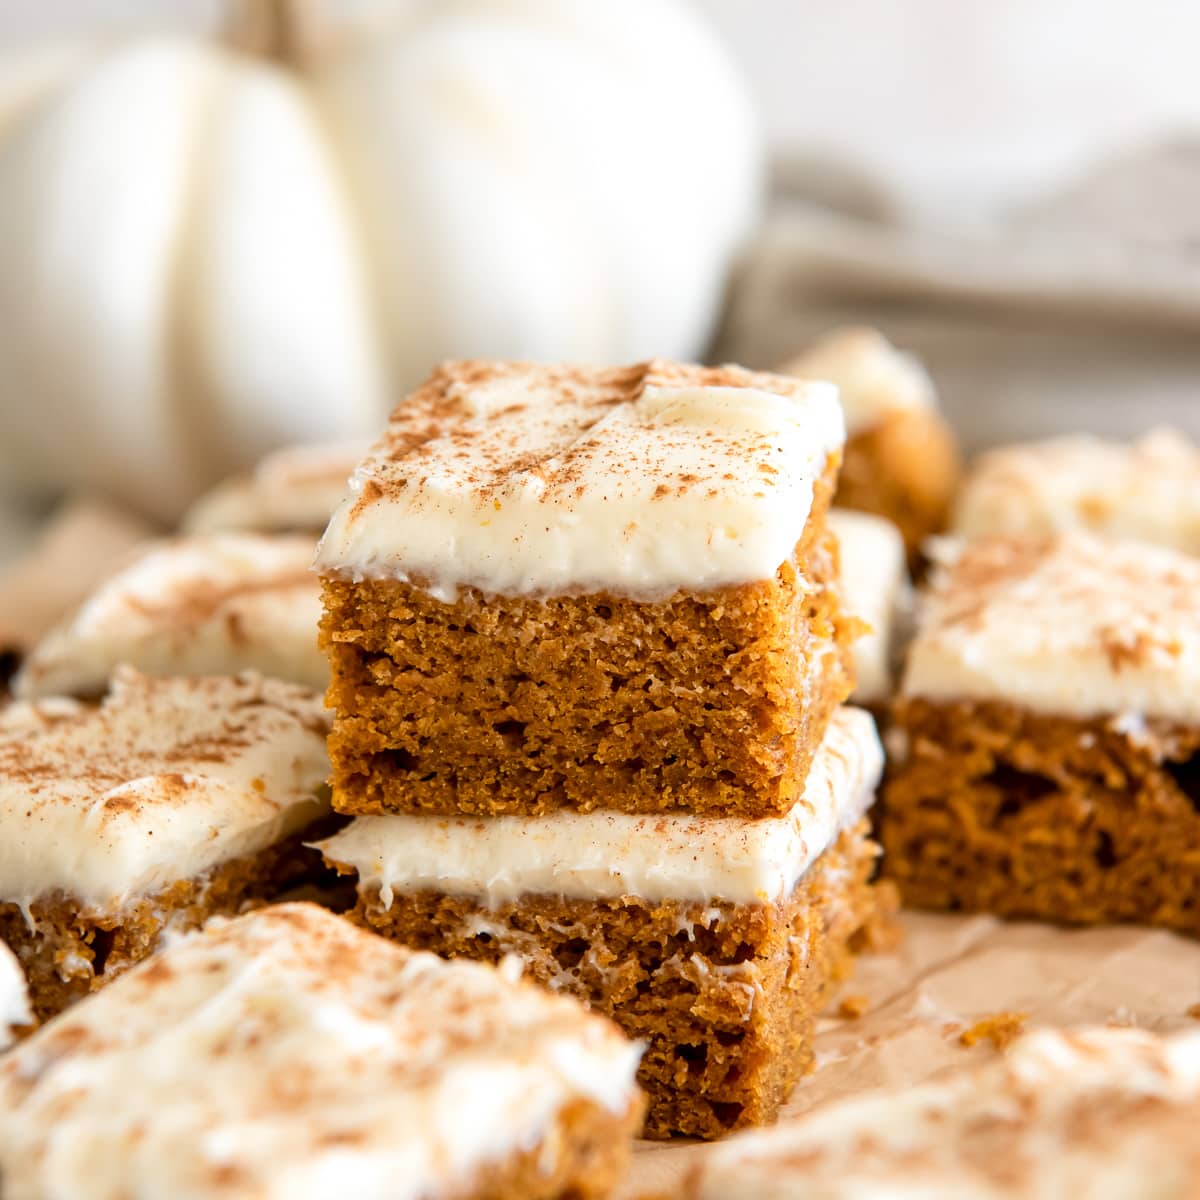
902,459
876,589
1048,733
15,1013
292,490
554,587
1148,490
190,606
713,940
286,1053
171,800
1093,1114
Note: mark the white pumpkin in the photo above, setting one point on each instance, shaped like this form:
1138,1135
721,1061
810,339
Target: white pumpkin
205,252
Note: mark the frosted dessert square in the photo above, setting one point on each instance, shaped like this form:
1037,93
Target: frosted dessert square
1147,491
714,940
292,490
1048,733
902,460
876,589
170,801
555,587
288,1054
191,606
1095,1114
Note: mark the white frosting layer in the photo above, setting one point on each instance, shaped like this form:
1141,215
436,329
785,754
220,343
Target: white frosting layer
873,378
286,1054
875,588
644,480
604,854
14,997
1072,625
1145,491
194,606
1104,1114
163,781
293,490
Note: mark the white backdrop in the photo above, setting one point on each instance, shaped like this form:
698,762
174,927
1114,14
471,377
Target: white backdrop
957,104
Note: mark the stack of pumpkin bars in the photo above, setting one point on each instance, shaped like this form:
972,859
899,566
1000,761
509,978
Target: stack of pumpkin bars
588,668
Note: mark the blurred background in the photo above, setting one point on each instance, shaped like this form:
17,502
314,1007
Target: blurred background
262,224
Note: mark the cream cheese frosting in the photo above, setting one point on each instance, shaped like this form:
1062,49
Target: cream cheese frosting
521,480
210,605
164,780
1101,1114
1072,625
873,378
604,854
288,1054
293,490
1148,490
14,997
875,588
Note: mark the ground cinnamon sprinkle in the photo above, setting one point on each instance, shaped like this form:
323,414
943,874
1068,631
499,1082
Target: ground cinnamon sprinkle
1001,1029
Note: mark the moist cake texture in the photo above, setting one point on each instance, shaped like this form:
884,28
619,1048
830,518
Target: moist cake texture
1047,736
559,588
171,800
15,1012
293,490
714,940
191,606
901,460
286,1053
1148,490
875,588
1093,1114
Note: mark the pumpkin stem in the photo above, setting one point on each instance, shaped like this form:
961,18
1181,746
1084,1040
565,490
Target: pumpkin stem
286,31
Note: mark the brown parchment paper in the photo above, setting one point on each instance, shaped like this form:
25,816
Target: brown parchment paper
950,972
945,974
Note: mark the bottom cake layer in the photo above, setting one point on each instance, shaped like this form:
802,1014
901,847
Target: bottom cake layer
68,950
725,996
994,808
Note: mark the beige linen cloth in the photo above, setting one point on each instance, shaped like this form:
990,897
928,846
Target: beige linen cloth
1080,312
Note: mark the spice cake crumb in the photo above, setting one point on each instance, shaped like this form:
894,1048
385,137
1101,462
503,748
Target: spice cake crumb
1049,726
